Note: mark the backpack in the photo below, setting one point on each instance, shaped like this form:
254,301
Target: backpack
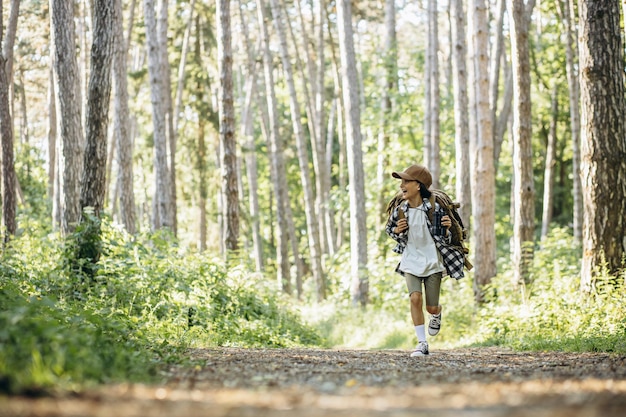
458,230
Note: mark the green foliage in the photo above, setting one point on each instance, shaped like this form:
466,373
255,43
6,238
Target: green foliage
144,303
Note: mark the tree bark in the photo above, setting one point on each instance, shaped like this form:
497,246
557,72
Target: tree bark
166,85
549,172
97,115
9,197
71,145
481,157
121,123
161,215
228,144
358,230
461,111
524,198
603,150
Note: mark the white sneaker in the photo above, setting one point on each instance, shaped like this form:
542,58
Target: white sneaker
434,325
420,350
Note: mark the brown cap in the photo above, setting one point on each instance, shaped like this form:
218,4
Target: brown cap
415,173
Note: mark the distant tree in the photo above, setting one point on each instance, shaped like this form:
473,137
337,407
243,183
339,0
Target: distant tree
389,88
432,123
161,216
524,187
566,8
9,197
550,166
357,216
121,122
228,143
603,150
481,154
461,110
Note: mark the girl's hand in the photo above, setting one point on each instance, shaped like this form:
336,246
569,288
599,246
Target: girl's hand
446,222
401,226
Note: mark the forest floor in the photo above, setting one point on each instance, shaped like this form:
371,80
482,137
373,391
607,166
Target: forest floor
481,382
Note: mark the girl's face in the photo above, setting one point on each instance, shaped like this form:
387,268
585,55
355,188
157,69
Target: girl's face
410,190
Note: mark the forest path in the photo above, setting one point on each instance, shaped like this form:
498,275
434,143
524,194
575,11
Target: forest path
485,382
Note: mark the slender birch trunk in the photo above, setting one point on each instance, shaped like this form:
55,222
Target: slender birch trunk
549,172
389,88
496,59
358,230
121,122
162,215
461,111
435,99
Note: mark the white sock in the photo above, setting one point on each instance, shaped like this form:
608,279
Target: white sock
420,332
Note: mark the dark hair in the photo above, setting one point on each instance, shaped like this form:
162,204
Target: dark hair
424,191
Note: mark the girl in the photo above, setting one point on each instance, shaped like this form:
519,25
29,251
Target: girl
421,241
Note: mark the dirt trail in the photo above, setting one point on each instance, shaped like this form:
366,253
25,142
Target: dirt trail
485,382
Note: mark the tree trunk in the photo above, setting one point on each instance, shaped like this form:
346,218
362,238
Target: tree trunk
166,85
71,145
277,164
571,53
524,198
603,168
305,174
358,230
549,173
53,173
161,215
249,148
481,157
97,115
435,99
9,197
390,86
461,110
496,59
228,144
322,174
121,123
503,118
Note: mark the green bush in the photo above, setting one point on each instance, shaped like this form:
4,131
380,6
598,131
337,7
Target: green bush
139,307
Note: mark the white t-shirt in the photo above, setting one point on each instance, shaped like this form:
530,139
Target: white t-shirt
420,257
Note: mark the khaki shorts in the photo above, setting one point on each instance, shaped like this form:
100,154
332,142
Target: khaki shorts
432,286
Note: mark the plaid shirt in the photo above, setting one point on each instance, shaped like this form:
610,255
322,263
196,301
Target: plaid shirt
453,257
